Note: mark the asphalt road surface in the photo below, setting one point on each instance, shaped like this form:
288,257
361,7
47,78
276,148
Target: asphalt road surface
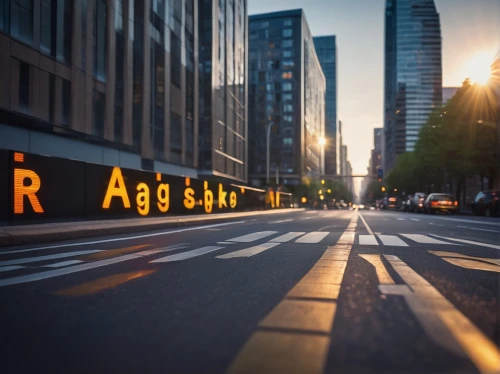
305,292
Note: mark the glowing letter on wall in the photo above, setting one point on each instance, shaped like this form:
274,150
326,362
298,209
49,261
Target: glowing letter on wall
209,198
114,190
222,197
232,199
163,193
142,199
20,190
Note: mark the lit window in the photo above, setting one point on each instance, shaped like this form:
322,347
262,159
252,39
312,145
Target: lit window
287,141
287,97
288,64
287,75
287,108
287,53
287,86
287,33
288,119
287,22
287,43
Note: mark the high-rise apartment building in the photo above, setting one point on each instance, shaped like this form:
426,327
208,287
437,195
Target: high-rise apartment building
223,26
286,88
413,73
116,82
326,49
378,133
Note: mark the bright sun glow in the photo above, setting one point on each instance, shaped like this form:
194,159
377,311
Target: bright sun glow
478,67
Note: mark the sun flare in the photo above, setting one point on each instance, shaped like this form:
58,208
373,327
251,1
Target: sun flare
478,67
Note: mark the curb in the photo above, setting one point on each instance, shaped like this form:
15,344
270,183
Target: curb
7,239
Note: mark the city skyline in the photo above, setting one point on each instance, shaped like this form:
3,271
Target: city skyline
360,81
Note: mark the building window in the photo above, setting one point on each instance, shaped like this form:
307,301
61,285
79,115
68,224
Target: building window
288,53
52,95
100,40
287,43
4,15
287,108
46,22
175,138
264,24
21,20
287,97
287,86
98,109
288,119
65,20
287,33
83,10
287,22
66,101
24,85
287,75
175,59
287,141
119,71
288,64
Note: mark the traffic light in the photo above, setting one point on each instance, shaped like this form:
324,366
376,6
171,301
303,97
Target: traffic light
380,175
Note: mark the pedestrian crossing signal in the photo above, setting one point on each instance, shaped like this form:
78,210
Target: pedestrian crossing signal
380,175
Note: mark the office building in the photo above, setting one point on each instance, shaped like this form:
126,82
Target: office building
378,133
286,88
343,160
413,73
223,59
116,82
326,49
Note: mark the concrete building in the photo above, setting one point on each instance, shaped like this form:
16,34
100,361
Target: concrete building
448,93
326,49
223,59
115,82
287,88
413,73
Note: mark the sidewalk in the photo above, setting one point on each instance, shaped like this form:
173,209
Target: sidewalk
47,232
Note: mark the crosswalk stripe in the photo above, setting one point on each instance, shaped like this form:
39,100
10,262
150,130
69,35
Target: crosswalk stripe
401,219
392,240
64,263
414,219
423,239
312,237
186,255
13,267
287,237
367,240
48,257
469,242
252,237
247,252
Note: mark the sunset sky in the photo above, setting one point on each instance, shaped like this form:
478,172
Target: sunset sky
469,28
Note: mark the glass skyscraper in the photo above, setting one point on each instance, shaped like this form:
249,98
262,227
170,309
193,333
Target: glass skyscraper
413,73
286,87
326,49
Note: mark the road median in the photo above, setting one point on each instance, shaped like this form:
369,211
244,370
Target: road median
49,232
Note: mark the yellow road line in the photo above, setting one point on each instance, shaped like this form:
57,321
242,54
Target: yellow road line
302,321
382,274
434,309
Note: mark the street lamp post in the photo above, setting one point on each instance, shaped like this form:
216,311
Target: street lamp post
271,124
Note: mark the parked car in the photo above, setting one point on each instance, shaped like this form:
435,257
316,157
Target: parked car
417,202
487,203
440,202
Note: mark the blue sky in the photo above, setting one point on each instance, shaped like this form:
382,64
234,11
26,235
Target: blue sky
468,27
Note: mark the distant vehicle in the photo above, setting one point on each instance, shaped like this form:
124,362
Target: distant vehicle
440,202
417,202
487,203
391,203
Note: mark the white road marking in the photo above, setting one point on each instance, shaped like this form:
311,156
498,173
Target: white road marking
424,239
247,252
445,323
473,228
367,240
186,255
366,225
415,219
286,237
283,220
392,240
312,237
468,242
401,219
74,269
48,257
225,243
252,237
303,219
477,222
13,267
64,263
127,238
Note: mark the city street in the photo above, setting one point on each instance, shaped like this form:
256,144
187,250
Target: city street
313,291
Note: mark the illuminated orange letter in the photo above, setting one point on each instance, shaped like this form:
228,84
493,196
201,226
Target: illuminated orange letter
232,199
114,190
142,199
222,197
209,198
163,197
20,190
